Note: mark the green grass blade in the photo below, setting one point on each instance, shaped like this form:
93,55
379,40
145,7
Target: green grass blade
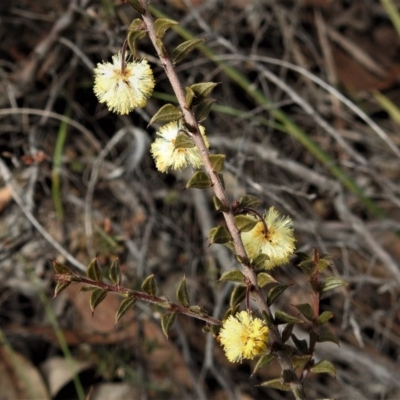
57,162
393,13
392,109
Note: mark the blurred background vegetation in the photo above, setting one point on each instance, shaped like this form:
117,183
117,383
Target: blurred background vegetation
308,114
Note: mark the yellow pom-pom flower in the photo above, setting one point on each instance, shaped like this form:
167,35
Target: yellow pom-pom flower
123,86
167,155
243,336
277,242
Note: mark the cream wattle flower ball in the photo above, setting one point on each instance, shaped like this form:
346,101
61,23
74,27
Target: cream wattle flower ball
243,336
273,237
168,154
123,85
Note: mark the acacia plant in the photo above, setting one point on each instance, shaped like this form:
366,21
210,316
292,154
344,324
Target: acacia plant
260,242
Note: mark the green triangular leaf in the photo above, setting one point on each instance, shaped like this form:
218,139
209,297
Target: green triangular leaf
307,266
189,97
167,320
286,333
181,51
326,336
183,141
249,201
220,235
203,108
301,344
182,293
115,274
324,367
136,5
59,268
332,283
277,383
264,279
264,361
324,317
93,271
149,285
199,180
299,361
275,292
162,25
167,113
285,318
136,31
217,161
97,296
126,305
306,310
237,296
136,25
233,276
323,264
60,287
132,39
202,90
245,223
259,261
219,206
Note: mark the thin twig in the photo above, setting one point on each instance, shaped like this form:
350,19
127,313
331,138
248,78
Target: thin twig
148,298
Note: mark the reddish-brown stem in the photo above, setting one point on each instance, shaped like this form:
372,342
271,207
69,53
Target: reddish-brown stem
172,307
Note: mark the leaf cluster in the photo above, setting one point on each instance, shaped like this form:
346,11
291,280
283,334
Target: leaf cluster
301,351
